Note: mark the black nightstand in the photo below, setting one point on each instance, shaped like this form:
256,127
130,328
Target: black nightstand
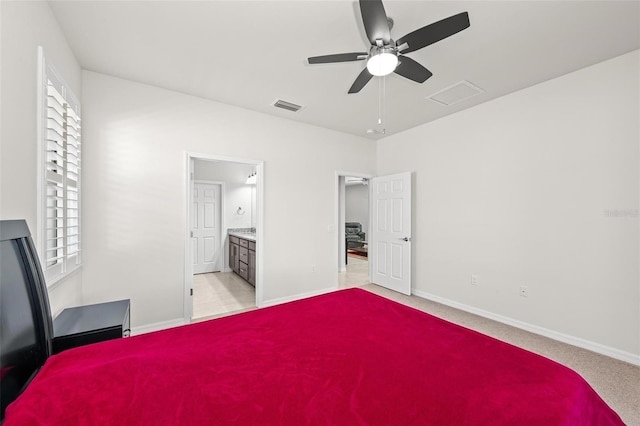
83,325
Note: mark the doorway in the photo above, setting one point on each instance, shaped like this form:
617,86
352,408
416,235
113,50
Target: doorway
353,213
220,199
206,247
388,235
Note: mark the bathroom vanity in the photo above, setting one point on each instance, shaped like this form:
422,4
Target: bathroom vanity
242,255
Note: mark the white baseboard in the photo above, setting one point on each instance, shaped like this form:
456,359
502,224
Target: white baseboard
180,321
156,326
552,334
273,302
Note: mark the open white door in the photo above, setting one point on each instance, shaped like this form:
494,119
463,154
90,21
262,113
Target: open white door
390,241
205,228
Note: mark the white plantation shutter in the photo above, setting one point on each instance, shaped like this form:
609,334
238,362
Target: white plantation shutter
72,184
60,138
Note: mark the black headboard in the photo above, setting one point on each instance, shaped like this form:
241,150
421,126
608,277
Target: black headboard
25,318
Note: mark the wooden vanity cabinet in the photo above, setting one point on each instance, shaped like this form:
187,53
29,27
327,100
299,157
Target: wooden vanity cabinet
234,253
252,263
242,258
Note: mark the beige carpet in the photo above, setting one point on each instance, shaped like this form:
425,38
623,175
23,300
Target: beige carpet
617,382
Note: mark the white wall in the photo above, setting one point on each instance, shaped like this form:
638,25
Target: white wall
238,199
25,26
134,180
520,191
222,171
357,205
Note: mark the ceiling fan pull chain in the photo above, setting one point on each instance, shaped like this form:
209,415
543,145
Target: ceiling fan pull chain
379,101
384,106
382,86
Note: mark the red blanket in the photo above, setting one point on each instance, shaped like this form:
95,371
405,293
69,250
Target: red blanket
345,358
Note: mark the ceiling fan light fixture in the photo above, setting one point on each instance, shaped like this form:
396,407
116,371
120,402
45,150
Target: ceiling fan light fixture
383,61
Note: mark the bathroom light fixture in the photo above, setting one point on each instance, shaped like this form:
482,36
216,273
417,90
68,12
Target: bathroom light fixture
382,61
251,180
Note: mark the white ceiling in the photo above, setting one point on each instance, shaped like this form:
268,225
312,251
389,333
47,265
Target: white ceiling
249,53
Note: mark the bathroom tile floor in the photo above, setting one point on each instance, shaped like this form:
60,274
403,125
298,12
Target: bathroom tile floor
220,293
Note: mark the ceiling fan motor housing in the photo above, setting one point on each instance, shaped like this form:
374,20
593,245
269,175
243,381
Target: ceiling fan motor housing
390,48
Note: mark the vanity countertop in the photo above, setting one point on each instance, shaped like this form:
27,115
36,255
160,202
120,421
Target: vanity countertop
251,236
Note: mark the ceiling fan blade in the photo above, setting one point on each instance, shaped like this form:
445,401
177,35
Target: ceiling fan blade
339,57
361,81
434,32
412,70
375,22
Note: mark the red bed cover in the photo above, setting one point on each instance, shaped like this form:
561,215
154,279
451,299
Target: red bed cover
345,358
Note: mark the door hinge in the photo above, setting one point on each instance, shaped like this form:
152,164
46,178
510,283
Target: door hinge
191,292
191,234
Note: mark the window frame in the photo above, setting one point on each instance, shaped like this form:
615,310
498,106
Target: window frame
66,206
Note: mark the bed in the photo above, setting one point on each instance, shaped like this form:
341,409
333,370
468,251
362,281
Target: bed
344,358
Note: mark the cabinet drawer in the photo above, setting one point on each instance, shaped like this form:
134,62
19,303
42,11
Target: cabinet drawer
244,271
252,245
244,255
243,243
233,240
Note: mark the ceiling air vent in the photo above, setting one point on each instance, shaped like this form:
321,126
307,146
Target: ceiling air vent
456,93
279,103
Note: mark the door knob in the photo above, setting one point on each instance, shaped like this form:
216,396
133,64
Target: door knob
406,239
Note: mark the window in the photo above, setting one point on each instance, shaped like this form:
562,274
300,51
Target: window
59,174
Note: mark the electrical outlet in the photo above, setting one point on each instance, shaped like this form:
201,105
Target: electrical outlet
474,279
524,291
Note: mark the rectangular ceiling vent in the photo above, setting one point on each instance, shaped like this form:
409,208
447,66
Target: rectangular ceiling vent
456,93
279,103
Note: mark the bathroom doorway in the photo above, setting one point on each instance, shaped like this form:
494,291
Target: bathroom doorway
212,288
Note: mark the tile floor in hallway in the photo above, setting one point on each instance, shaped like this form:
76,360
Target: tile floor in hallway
221,293
357,273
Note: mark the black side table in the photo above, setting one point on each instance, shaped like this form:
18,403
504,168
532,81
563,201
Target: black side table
87,324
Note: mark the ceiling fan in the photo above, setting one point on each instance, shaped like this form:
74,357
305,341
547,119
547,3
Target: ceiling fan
386,55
